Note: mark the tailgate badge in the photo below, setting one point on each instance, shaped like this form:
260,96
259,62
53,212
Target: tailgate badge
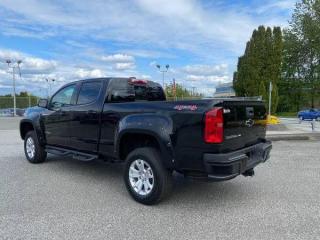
226,110
249,123
186,107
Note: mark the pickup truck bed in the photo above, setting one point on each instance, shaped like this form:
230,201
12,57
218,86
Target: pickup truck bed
128,120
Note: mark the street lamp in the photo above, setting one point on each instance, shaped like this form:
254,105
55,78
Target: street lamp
49,85
17,65
163,71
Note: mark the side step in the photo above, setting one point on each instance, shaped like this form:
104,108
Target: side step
67,152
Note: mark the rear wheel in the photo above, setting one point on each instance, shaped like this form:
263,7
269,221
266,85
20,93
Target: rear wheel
146,179
33,150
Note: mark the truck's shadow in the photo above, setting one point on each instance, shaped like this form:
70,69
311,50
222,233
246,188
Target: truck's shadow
185,191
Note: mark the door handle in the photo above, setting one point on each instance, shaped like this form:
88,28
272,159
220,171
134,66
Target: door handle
91,112
61,113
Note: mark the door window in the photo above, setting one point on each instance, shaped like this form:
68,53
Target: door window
89,92
63,97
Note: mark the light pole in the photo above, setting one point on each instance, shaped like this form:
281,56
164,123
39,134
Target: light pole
270,95
8,61
163,71
49,86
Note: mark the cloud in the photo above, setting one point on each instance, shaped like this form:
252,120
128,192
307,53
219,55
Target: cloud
277,5
120,61
201,40
124,66
208,79
181,24
35,70
206,70
118,58
87,73
29,65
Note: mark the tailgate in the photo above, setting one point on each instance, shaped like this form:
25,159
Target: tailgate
244,123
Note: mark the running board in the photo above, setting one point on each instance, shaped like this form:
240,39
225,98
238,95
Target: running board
67,152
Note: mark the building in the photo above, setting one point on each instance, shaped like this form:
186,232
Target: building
225,90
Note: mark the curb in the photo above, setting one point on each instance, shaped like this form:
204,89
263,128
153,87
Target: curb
293,137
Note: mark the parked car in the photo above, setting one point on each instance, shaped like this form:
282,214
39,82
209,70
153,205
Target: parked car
20,112
9,112
6,112
129,120
32,110
309,114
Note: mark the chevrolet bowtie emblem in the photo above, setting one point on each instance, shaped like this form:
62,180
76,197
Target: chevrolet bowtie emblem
249,123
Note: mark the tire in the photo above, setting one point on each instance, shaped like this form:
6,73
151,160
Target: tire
32,149
155,185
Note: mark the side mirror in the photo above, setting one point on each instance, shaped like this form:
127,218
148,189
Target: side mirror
43,103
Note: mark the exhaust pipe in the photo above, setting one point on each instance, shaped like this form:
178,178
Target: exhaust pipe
248,173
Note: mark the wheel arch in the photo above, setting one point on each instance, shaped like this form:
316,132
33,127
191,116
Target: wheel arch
134,130
135,138
27,125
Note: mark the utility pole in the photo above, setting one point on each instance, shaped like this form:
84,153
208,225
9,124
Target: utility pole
193,88
29,99
163,71
8,61
270,95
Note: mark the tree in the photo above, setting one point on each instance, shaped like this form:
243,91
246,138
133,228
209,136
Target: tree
301,68
23,94
262,90
291,87
260,65
181,92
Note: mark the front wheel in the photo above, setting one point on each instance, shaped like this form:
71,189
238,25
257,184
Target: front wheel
146,179
33,150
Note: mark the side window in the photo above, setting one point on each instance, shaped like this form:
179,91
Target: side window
63,97
89,92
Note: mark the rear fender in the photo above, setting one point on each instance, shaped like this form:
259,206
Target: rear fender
158,126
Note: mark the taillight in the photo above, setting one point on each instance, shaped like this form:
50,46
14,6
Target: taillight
213,126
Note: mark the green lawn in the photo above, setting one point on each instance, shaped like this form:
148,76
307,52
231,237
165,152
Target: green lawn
287,114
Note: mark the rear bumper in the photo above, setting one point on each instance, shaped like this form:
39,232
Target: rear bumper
220,167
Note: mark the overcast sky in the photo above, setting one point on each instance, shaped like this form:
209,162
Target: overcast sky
70,40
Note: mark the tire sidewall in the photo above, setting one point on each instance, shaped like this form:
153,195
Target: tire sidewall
144,154
39,154
30,135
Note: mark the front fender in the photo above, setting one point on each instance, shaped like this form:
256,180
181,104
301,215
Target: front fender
158,126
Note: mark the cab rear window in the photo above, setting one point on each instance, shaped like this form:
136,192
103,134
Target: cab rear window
126,90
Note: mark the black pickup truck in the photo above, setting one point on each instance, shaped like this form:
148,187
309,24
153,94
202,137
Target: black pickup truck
129,120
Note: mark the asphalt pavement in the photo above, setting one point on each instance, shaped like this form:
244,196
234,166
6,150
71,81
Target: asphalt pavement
67,199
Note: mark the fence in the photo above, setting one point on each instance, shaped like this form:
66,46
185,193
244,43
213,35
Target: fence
21,102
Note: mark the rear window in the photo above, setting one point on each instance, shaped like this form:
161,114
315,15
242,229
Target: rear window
149,92
89,92
120,90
